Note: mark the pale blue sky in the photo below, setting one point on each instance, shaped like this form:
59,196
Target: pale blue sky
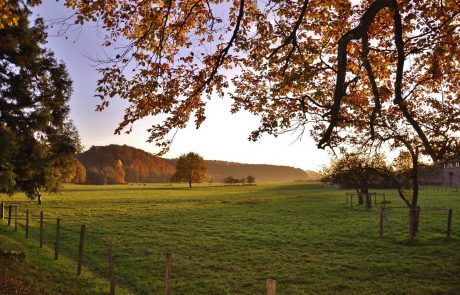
223,136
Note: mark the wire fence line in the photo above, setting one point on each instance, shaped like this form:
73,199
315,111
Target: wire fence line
443,188
395,221
429,224
34,229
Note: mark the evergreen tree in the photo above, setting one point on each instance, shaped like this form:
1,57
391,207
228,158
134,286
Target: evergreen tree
38,141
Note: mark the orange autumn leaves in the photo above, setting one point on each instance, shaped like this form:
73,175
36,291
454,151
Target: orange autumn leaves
281,61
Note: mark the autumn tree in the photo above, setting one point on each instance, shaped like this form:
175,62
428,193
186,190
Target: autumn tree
80,173
38,141
190,167
250,179
76,173
358,170
10,12
343,67
119,172
305,61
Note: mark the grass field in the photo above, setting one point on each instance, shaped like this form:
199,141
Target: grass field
229,240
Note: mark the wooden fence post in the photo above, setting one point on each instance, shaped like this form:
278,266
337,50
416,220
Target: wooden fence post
16,218
80,249
168,274
449,222
382,212
351,201
9,215
56,243
27,223
384,200
2,211
112,275
41,229
271,287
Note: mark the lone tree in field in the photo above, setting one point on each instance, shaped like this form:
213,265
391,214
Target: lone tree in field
358,171
191,168
250,179
38,142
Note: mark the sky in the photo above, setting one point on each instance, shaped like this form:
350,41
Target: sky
223,136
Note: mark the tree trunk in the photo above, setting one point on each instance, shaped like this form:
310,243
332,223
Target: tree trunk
414,218
414,214
38,195
367,200
360,197
190,184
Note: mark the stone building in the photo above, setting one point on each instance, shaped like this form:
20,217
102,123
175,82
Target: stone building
451,172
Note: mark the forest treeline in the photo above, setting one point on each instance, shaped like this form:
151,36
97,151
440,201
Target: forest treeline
114,164
263,173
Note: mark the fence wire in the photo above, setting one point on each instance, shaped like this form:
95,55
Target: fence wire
433,223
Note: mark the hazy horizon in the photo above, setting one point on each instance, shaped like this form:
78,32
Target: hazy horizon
206,159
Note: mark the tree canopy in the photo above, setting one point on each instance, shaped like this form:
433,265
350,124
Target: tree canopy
344,66
357,170
38,141
190,167
354,169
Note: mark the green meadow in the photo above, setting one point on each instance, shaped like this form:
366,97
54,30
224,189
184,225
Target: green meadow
229,240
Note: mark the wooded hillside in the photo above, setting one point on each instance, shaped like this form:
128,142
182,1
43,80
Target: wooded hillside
138,165
120,164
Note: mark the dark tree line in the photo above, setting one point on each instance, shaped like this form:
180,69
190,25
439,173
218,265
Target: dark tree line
230,180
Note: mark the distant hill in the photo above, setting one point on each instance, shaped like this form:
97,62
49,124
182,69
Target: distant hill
118,164
138,165
218,170
262,172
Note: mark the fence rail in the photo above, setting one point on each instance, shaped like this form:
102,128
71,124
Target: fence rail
349,198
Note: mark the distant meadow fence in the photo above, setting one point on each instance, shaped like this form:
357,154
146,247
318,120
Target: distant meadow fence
391,219
397,224
9,214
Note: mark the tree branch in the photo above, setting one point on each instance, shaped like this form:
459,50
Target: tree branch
291,39
340,89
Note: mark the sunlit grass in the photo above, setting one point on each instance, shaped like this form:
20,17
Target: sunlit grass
229,240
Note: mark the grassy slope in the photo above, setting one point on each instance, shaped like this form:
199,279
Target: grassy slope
228,240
